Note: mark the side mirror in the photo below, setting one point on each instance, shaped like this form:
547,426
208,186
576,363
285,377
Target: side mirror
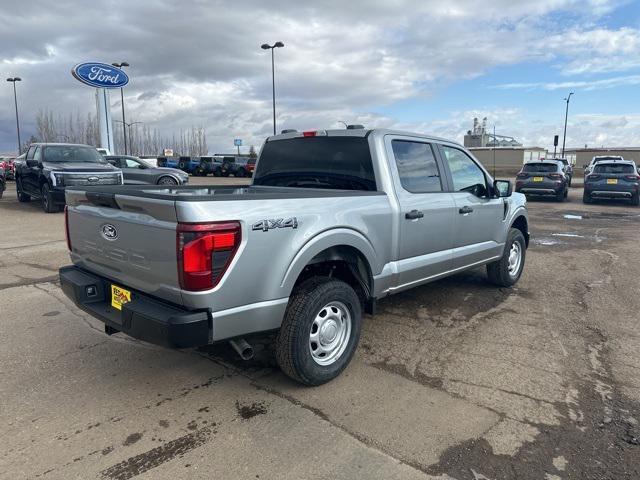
502,188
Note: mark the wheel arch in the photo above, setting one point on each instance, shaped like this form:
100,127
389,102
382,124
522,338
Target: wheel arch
347,256
521,223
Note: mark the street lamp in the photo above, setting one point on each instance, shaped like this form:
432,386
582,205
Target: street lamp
566,114
129,125
266,46
124,133
15,99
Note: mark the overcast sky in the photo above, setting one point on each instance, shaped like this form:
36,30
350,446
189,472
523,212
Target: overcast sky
427,66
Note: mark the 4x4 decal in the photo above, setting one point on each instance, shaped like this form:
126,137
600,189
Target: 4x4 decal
266,225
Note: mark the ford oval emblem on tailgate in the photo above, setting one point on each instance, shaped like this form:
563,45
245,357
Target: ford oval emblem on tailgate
93,179
109,232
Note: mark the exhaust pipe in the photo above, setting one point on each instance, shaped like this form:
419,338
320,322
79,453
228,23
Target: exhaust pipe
243,348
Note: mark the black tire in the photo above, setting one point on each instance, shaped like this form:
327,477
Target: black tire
498,271
22,197
561,195
167,181
1,192
635,199
293,344
182,165
586,197
241,173
47,202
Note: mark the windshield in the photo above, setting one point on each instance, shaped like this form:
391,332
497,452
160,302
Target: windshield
540,167
614,168
72,153
317,162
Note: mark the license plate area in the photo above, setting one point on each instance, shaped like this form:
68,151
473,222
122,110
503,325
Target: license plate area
538,179
119,296
612,181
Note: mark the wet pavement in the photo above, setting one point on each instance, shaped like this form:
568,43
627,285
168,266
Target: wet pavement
455,379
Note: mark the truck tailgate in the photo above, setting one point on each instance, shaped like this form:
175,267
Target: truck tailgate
131,241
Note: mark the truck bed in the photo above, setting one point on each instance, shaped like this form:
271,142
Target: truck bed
198,193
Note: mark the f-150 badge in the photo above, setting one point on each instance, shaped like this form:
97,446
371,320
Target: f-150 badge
266,225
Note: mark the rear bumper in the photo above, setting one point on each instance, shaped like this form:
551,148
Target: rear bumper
144,318
611,193
542,190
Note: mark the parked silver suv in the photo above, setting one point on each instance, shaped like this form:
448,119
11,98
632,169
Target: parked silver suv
333,221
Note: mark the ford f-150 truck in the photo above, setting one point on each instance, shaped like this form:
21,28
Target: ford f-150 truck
332,222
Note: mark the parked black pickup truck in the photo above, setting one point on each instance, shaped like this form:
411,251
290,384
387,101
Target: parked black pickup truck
50,167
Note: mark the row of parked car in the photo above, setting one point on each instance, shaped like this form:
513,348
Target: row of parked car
606,177
217,165
46,169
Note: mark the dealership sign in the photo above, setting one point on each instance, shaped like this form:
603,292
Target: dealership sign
100,75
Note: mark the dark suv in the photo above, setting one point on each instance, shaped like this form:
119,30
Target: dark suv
543,178
48,168
612,179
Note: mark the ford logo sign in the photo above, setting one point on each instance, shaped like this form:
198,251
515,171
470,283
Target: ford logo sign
93,179
109,231
100,75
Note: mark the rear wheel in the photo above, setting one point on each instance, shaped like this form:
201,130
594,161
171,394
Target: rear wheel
320,331
561,195
586,197
22,197
167,181
506,271
635,199
47,201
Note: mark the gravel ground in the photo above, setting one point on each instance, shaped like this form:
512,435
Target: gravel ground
456,379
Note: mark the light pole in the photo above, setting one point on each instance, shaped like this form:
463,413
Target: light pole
266,46
124,133
15,99
566,114
129,125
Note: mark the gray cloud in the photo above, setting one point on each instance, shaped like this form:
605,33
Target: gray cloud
199,62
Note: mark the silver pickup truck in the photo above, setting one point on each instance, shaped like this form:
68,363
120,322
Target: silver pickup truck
332,222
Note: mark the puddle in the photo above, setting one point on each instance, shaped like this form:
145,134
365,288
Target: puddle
546,241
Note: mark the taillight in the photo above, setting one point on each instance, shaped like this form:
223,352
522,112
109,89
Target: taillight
592,177
633,178
522,175
66,226
555,175
205,251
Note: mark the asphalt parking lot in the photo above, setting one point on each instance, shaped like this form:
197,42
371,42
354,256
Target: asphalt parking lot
456,379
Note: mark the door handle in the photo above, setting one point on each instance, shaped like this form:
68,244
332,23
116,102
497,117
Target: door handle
413,214
465,210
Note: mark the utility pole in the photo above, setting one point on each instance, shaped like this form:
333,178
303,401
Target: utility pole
124,122
266,46
15,99
566,114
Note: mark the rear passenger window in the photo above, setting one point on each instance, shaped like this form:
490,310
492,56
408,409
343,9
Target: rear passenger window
417,166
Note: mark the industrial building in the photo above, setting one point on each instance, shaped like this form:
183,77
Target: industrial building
479,137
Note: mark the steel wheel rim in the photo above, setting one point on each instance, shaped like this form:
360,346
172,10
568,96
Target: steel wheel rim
515,259
330,333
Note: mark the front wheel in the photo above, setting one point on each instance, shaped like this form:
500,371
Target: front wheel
320,331
506,271
47,201
167,181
